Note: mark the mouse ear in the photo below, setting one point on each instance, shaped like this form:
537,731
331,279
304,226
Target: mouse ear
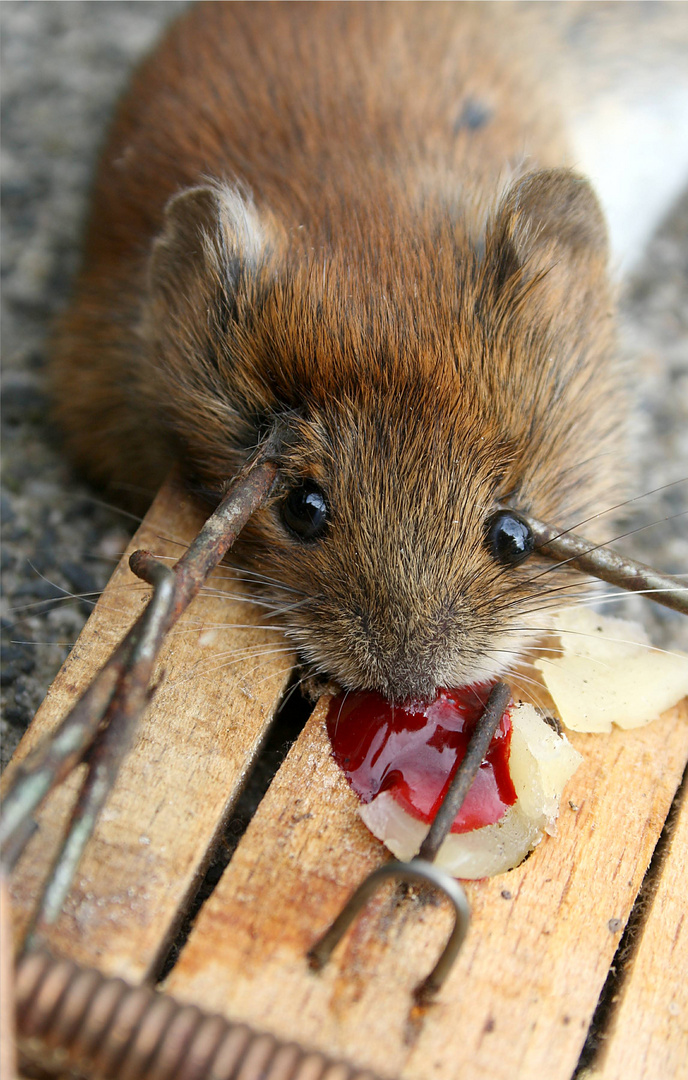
549,219
212,238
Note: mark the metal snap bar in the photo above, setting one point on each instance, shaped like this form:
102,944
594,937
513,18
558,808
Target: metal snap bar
101,724
421,868
569,549
417,870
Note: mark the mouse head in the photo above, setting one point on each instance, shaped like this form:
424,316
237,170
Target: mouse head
423,383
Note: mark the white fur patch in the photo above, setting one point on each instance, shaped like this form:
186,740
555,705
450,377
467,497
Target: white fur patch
240,224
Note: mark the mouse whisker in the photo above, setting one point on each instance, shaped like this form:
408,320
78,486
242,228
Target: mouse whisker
292,689
527,690
278,612
593,637
535,689
262,579
62,601
513,677
608,598
54,601
258,601
545,591
606,543
273,675
253,650
593,660
201,627
620,505
232,573
113,507
244,654
533,650
343,703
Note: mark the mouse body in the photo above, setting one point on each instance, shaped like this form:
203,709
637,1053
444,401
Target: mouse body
358,220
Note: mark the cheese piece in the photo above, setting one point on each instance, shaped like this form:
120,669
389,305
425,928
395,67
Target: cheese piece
608,674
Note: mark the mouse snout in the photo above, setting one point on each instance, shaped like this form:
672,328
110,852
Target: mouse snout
404,655
402,679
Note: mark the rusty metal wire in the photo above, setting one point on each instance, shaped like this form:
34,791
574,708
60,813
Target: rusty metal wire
102,722
569,549
499,698
74,1019
416,871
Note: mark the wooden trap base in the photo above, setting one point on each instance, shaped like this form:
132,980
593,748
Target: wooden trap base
521,998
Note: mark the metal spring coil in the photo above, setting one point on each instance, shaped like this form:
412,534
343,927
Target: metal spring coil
75,1019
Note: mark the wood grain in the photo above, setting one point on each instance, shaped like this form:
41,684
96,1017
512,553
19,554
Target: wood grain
519,1002
648,1036
192,752
8,1050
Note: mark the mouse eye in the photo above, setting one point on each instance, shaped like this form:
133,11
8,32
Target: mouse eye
509,540
305,511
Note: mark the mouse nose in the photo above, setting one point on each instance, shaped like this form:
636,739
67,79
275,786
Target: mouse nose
404,645
408,686
400,665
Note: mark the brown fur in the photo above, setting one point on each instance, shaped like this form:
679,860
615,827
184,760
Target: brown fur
363,225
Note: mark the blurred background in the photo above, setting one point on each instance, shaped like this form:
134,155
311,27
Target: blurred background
622,72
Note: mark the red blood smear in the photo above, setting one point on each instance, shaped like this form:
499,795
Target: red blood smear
414,749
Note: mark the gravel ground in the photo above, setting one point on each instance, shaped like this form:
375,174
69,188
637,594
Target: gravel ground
63,65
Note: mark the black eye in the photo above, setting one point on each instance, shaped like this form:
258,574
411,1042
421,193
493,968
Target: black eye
304,511
509,539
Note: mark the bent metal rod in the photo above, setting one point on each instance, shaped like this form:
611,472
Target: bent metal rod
102,722
421,868
570,549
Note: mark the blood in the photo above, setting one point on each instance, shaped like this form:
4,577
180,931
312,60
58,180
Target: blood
414,749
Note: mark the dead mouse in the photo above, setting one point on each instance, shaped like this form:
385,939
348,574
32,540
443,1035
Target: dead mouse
359,219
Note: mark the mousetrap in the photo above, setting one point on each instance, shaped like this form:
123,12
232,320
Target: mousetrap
573,963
